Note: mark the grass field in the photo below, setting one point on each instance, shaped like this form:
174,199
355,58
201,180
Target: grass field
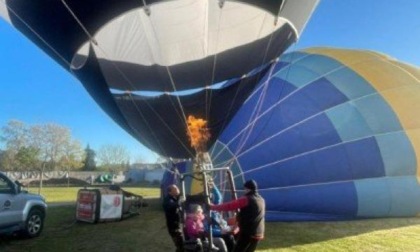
147,232
68,194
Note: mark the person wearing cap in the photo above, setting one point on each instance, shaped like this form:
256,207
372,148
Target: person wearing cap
172,208
250,218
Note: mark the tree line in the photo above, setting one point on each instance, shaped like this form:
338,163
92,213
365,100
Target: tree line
51,147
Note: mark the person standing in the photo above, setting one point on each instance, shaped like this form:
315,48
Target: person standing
250,218
215,194
172,208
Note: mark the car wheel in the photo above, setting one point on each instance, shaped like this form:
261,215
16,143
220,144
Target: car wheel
34,223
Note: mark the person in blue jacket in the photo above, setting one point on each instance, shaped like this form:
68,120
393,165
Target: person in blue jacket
220,228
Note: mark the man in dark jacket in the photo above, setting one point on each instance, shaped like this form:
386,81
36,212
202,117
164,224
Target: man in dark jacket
172,208
250,218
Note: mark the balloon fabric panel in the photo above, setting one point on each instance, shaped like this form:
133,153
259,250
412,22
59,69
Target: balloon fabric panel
329,141
332,201
397,154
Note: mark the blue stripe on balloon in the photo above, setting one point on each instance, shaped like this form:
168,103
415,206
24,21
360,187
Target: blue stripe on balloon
364,158
307,69
319,64
378,114
373,196
294,57
222,157
404,194
341,162
299,76
306,102
332,201
348,122
293,159
350,83
275,68
383,196
220,154
397,153
277,90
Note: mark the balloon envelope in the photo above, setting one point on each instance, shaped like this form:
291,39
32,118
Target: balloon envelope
119,49
330,134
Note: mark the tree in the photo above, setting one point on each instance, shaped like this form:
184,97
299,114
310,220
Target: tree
15,137
113,157
89,163
5,161
43,146
27,158
57,146
72,157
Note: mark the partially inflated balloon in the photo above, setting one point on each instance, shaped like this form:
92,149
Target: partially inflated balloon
330,134
119,49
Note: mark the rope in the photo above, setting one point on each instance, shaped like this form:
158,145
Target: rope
314,151
257,118
175,90
292,93
244,138
257,108
128,81
121,73
306,119
208,102
278,13
279,96
91,38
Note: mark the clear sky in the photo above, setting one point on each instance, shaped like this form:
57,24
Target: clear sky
34,89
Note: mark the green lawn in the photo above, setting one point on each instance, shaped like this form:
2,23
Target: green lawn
147,232
66,194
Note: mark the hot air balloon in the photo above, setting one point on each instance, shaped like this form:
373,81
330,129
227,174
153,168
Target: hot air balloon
329,134
178,50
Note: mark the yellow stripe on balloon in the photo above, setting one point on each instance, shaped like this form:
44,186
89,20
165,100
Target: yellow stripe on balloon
398,84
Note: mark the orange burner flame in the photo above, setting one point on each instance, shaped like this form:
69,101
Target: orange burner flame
198,133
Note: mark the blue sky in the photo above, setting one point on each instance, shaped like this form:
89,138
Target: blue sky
35,89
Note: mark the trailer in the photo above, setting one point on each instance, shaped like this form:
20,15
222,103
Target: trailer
106,204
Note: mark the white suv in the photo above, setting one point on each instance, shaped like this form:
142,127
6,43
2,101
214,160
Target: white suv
19,210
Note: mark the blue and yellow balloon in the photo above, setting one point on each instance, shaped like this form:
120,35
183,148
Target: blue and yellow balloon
330,134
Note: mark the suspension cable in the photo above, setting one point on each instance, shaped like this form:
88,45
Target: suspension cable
69,64
209,95
257,108
259,116
91,38
280,101
128,81
168,70
278,98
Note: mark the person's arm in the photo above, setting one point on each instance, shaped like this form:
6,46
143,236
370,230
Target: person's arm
232,205
217,196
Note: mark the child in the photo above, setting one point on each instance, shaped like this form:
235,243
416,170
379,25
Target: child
194,222
195,227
